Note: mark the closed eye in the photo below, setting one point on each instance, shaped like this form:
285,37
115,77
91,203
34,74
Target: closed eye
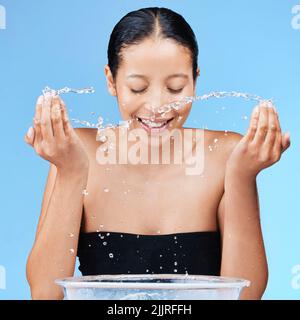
175,91
137,91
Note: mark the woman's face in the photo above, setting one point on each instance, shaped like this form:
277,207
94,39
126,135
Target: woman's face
150,75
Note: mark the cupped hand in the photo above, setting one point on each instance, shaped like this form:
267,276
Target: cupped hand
263,144
53,138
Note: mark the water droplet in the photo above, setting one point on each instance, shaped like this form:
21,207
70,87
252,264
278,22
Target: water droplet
160,255
147,270
84,192
90,245
160,267
104,148
175,237
175,270
121,236
174,254
111,255
158,231
244,117
72,251
210,148
71,235
108,234
138,236
100,120
175,263
215,140
102,138
106,190
104,243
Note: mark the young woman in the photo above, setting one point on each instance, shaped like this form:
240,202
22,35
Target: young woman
137,218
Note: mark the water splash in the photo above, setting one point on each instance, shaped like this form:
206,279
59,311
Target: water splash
53,92
215,94
177,105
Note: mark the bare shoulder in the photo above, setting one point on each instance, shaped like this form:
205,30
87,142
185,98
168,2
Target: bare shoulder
222,140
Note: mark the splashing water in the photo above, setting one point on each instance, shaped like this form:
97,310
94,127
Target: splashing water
177,105
216,94
53,92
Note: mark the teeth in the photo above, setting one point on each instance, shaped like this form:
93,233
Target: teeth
153,124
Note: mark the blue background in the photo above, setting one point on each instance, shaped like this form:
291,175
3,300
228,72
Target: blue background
244,46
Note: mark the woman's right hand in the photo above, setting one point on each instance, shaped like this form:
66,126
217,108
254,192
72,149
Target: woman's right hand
53,137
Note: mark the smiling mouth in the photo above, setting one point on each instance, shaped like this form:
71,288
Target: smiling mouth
154,124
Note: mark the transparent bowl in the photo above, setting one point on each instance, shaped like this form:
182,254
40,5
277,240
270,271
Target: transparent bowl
152,287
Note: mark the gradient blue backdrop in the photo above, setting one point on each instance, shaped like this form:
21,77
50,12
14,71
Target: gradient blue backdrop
244,45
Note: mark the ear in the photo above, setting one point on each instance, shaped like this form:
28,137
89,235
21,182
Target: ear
110,81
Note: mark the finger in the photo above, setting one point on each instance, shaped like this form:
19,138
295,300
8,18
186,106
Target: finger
37,120
262,126
29,136
46,125
253,124
278,140
286,141
66,122
272,129
56,118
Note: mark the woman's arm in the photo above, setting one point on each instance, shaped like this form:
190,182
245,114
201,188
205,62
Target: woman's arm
54,251
53,255
243,253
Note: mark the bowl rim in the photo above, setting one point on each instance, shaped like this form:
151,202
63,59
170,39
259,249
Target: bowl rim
204,282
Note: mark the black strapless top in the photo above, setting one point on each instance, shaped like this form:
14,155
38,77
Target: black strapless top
123,253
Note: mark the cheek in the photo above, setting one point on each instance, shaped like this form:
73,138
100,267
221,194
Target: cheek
128,104
184,111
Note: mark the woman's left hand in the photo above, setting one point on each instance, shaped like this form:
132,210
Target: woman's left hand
262,145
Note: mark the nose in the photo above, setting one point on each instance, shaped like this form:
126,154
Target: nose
156,100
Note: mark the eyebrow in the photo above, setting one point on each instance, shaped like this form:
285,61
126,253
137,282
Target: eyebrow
176,75
134,75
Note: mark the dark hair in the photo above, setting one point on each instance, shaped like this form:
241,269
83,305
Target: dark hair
137,25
